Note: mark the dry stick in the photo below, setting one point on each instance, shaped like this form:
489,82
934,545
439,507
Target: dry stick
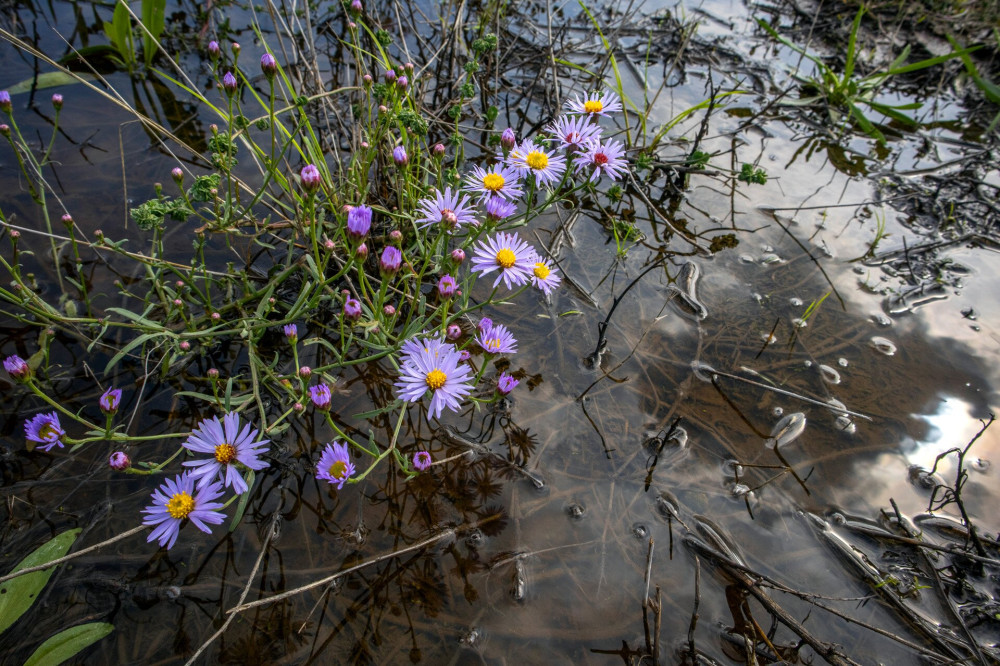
329,579
694,611
243,594
72,556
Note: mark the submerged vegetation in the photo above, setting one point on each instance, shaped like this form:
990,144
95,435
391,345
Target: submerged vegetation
335,246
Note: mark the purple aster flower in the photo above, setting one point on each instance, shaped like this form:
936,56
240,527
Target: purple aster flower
119,461
311,177
228,445
390,76
531,158
110,400
352,309
177,500
17,368
5,104
268,66
574,131
320,395
402,82
229,83
452,210
496,339
544,276
603,159
596,104
399,156
421,460
508,253
413,348
335,465
44,429
447,286
499,209
359,221
506,383
391,260
291,333
498,181
434,367
356,6
508,139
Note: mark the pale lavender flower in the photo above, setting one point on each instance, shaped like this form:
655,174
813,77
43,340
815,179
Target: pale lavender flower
109,401
291,333
359,221
508,139
505,252
497,340
532,158
268,65
484,324
594,105
399,156
45,429
175,501
499,180
228,445
434,367
603,159
17,368
498,209
402,82
335,465
543,275
506,383
229,83
451,210
574,131
320,396
213,49
421,461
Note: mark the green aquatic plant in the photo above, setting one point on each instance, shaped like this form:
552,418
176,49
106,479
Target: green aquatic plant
845,93
122,35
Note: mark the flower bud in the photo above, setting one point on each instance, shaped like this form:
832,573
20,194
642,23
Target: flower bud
67,220
57,101
268,66
119,461
454,332
438,150
362,252
508,139
185,346
215,316
229,83
110,400
17,368
305,372
311,178
408,67
399,156
5,104
213,373
352,309
236,49
320,396
291,333
299,407
391,260
351,25
367,80
389,311
390,76
395,236
447,286
177,174
402,82
506,383
356,6
359,221
484,325
5,129
458,255
329,245
382,109
213,50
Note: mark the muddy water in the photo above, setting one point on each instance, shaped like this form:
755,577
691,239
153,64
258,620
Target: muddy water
598,482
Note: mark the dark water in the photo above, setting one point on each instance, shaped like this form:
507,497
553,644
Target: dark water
602,466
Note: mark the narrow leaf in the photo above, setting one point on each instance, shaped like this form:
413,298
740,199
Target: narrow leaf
68,643
17,595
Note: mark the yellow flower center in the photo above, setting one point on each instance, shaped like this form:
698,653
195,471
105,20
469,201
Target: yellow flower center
536,160
180,505
47,432
493,182
338,470
435,379
593,106
506,258
541,271
225,453
493,344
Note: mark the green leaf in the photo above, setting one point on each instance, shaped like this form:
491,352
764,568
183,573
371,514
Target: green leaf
852,43
68,642
17,595
244,499
49,80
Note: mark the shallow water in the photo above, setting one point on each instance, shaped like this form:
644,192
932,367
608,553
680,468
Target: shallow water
611,460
